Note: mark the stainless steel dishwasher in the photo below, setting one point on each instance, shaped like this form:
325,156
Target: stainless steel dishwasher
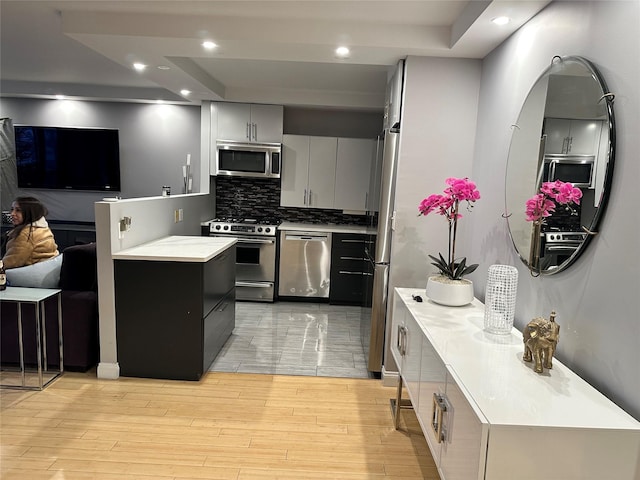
305,264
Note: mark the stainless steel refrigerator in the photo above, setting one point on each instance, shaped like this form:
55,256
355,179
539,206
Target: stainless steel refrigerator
378,253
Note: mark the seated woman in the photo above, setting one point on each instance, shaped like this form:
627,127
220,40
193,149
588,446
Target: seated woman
30,241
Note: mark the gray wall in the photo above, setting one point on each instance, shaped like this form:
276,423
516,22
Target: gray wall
596,299
154,142
332,123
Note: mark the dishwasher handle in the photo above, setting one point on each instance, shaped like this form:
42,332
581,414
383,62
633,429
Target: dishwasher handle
307,237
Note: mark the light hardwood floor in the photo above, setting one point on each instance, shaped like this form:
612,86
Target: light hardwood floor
227,426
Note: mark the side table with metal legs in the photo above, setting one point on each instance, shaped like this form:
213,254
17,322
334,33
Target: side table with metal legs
36,297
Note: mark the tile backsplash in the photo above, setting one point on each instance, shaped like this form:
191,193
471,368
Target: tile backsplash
258,198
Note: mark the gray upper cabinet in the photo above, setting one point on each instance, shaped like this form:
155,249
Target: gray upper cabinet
243,122
353,170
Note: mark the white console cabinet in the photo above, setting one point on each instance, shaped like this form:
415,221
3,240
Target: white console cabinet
487,415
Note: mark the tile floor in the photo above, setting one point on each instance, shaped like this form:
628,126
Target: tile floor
294,338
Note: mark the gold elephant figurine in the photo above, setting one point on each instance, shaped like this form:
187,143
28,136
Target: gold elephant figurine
540,339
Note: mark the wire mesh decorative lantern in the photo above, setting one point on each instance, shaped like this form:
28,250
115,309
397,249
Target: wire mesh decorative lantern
500,299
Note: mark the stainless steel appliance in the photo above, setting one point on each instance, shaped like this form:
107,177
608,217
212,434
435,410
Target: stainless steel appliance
257,160
373,321
305,264
559,246
374,311
575,169
255,255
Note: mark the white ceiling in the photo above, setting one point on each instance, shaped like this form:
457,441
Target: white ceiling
268,51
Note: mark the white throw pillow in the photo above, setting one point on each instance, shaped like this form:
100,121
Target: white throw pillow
39,275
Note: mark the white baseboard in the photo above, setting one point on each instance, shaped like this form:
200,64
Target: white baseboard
389,379
108,371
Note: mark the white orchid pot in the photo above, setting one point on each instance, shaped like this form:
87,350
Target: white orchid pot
452,293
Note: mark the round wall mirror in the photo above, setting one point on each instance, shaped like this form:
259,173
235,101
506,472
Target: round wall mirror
565,131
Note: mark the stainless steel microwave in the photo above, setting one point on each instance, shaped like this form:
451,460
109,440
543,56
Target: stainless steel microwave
575,169
258,160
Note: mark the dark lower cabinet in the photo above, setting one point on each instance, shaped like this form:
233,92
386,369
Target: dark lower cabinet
172,318
347,268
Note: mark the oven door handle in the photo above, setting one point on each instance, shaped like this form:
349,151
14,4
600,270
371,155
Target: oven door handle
560,248
253,240
254,284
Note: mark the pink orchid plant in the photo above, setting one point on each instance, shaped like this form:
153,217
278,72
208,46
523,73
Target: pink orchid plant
543,204
447,205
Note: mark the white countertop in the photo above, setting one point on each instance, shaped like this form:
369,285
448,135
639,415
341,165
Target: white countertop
326,227
177,249
505,388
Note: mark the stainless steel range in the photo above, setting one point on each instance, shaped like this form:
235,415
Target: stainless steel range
256,253
559,246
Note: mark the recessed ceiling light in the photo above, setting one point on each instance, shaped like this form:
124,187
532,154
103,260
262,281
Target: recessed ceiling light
342,52
164,67
501,20
209,45
185,92
139,66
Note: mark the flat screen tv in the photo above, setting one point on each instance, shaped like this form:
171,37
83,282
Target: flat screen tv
67,158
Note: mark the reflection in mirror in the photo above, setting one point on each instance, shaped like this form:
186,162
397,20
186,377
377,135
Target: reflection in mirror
565,131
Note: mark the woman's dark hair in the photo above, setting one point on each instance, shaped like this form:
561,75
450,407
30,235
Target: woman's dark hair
32,211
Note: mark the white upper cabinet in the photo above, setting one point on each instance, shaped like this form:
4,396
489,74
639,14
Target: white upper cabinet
353,171
576,137
243,122
326,172
294,178
322,172
373,195
308,171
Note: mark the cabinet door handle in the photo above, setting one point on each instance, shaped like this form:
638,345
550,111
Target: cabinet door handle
348,240
304,197
255,131
248,132
402,340
437,416
344,272
309,198
352,258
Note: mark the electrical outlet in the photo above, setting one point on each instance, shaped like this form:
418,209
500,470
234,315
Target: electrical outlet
180,215
176,216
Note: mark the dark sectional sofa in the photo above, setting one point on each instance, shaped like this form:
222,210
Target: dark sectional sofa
79,285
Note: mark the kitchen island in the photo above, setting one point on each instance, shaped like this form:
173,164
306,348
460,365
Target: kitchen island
175,305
